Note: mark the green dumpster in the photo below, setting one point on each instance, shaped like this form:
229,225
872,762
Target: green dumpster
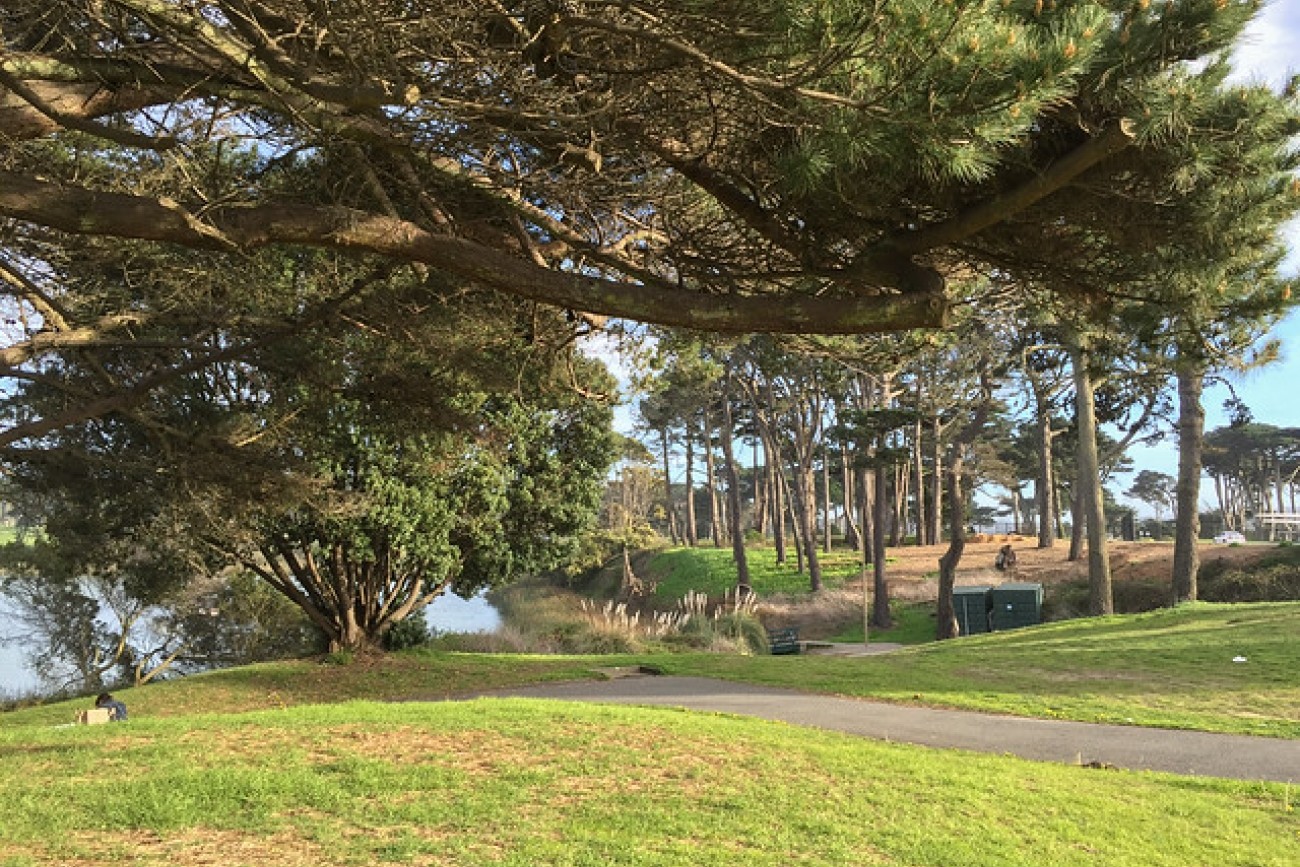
971,605
1014,605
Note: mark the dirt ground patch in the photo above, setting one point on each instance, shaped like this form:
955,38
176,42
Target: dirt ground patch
913,572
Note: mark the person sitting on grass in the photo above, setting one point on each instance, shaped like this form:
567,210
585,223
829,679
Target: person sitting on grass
116,710
1006,559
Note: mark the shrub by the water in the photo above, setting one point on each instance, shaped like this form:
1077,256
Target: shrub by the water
408,633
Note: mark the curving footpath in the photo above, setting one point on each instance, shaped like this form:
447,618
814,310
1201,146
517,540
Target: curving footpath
1239,757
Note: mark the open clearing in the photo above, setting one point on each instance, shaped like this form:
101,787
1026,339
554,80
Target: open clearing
913,570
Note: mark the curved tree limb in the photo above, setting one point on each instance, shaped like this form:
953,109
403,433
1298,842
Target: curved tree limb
82,211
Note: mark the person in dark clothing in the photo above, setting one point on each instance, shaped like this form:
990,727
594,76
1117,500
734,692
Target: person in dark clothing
1006,558
116,710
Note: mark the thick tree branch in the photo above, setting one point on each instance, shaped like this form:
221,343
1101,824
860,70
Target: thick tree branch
57,118
81,211
119,401
96,335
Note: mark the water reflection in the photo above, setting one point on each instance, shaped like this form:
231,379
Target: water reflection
450,613
16,678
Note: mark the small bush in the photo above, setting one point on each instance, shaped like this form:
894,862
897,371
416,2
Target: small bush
1070,599
408,633
746,630
1279,582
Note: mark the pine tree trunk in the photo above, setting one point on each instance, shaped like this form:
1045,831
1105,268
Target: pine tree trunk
923,536
776,499
711,480
803,494
946,616
1100,598
1045,484
738,553
866,486
1077,524
899,503
692,530
826,501
761,495
852,536
936,476
880,614
1187,527
788,496
673,532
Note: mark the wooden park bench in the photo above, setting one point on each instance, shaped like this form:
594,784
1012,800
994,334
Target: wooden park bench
783,641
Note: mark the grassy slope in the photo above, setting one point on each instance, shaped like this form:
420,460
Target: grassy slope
710,570
542,783
201,775
1170,668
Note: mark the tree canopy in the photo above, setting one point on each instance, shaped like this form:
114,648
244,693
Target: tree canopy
361,467
816,167
251,253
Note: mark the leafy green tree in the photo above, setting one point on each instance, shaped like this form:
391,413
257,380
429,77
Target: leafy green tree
1155,489
794,168
1254,467
360,468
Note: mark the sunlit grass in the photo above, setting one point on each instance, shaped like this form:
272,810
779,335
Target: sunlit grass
1171,668
541,783
712,571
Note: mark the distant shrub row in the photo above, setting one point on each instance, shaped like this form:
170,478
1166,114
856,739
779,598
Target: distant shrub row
1274,577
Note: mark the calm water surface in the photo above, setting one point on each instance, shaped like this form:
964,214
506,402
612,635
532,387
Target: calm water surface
449,613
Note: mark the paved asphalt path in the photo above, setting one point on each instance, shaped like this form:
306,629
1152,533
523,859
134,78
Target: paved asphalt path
1181,752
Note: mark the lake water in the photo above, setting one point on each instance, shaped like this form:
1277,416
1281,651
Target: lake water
449,613
15,677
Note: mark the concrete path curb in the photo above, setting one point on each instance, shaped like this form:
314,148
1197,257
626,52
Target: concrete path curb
1237,757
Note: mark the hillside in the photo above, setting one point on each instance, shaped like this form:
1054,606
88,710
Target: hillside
913,571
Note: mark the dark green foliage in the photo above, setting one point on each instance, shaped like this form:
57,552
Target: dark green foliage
359,466
408,633
1274,577
1069,599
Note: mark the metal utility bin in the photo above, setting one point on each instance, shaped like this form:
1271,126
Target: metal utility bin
1015,605
971,605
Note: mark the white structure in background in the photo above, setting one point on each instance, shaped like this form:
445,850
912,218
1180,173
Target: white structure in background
1279,525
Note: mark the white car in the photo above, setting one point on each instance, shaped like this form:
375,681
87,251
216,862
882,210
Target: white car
1229,537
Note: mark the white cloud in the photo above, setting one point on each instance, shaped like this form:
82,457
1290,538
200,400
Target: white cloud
1267,48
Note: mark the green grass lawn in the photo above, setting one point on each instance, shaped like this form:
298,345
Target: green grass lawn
315,763
913,624
1170,668
711,571
513,782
